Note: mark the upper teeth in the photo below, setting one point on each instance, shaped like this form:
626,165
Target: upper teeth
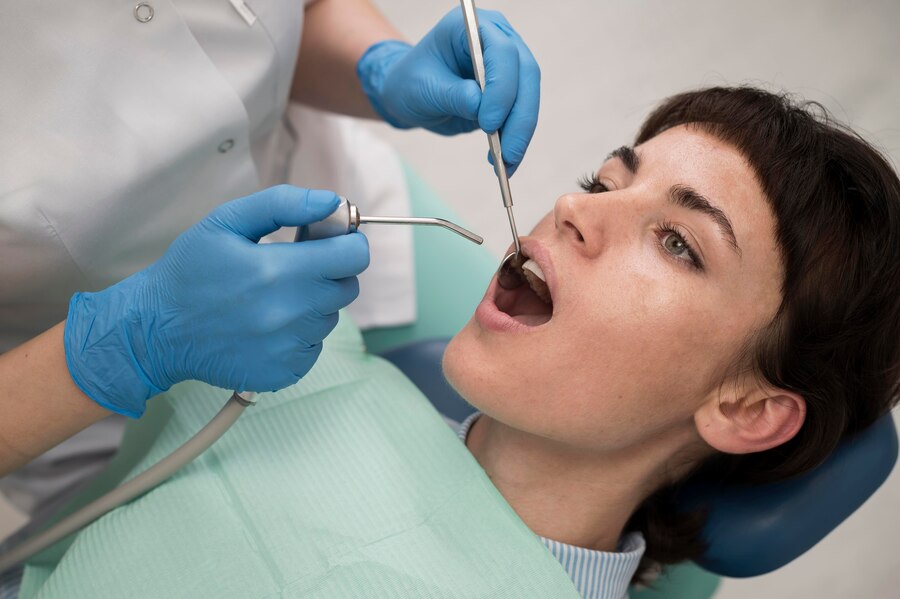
534,268
535,277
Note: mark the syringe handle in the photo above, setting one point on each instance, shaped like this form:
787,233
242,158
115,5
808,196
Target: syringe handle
345,219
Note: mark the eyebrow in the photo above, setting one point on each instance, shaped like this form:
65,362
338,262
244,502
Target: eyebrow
628,156
684,196
688,197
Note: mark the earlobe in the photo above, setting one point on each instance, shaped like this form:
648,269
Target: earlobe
763,418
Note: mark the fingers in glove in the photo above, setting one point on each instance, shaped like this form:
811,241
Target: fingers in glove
336,295
501,69
264,212
455,97
332,258
521,123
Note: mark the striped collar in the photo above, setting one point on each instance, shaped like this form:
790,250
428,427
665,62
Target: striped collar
596,574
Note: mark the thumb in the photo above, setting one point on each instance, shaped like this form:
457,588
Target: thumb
266,211
455,97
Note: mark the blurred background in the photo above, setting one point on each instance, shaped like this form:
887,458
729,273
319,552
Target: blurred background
604,66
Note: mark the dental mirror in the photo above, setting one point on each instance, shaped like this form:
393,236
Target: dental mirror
509,275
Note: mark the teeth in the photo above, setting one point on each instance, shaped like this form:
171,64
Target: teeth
532,266
535,277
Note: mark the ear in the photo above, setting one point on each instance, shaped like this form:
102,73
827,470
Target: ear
750,419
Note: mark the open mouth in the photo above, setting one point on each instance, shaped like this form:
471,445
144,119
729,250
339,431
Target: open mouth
530,304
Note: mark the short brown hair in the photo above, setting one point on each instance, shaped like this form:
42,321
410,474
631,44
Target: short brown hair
835,339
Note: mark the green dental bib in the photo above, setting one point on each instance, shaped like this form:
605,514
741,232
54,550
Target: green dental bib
348,484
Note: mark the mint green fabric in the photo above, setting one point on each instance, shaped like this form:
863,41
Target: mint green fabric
137,441
684,581
346,485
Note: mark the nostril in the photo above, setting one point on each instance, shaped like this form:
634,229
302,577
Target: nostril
574,230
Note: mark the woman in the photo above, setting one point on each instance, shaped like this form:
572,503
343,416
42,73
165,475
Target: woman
723,302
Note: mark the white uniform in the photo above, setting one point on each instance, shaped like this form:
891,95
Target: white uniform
118,132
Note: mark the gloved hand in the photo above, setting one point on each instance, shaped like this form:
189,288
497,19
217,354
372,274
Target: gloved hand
432,85
218,307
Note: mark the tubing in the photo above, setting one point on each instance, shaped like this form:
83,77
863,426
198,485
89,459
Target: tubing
135,487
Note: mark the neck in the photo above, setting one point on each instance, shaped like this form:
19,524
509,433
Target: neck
573,496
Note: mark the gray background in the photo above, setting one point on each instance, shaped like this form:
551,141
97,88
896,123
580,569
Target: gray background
604,65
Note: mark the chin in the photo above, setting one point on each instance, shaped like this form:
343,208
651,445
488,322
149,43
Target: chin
469,369
480,375
458,369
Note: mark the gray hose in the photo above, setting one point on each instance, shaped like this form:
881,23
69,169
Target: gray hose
138,485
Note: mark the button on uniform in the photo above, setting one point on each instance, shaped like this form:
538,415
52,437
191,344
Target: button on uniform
143,12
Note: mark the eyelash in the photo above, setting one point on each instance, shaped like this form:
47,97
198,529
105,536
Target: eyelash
591,184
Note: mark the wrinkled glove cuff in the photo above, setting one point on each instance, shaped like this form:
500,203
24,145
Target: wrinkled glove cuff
372,70
100,333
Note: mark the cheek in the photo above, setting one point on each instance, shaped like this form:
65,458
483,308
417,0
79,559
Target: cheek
571,386
650,329
638,349
639,359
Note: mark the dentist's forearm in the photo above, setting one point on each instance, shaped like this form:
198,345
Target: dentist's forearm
336,33
40,404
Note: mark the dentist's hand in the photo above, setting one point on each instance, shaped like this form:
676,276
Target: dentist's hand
432,84
218,307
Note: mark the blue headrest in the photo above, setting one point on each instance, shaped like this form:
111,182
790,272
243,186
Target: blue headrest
749,530
754,530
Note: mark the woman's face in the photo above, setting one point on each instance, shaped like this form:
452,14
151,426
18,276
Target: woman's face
658,274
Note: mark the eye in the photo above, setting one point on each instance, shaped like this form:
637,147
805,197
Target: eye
591,184
675,244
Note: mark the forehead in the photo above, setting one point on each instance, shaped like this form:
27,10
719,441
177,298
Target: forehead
700,159
685,155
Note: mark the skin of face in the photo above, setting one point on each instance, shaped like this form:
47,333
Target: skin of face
639,340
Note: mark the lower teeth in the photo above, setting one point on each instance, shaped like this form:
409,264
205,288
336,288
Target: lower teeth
538,286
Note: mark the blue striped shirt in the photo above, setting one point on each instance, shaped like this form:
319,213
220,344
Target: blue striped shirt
596,574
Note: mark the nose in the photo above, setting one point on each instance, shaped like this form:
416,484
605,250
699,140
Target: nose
578,222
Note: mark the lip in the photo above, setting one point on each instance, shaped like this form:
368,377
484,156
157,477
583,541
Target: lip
490,317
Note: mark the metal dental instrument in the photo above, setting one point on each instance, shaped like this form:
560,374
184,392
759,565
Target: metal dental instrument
509,275
346,219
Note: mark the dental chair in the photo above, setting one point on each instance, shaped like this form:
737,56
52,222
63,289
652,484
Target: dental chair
749,530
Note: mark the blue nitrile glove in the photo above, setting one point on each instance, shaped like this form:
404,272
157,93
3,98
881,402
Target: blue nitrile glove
432,85
218,307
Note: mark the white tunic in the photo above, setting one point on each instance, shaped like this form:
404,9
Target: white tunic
117,133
